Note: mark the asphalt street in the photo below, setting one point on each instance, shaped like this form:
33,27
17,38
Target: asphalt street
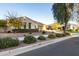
68,47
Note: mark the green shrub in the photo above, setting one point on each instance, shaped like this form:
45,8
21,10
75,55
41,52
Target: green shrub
77,30
29,39
41,38
73,30
70,30
24,30
30,32
67,33
8,42
43,32
60,35
51,36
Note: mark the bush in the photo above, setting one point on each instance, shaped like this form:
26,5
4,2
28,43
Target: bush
70,30
8,42
67,33
24,30
60,35
77,30
41,38
43,32
29,39
51,36
8,31
30,32
73,30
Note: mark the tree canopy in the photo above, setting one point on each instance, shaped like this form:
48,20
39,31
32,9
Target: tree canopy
56,26
15,23
13,20
62,13
3,23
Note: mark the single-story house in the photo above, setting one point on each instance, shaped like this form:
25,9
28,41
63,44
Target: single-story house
28,23
73,26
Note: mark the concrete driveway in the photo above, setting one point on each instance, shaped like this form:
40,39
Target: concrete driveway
65,48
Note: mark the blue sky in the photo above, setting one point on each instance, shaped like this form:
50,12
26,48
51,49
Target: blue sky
38,11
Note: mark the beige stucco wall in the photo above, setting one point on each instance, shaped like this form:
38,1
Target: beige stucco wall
33,26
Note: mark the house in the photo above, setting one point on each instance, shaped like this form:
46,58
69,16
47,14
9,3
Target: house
72,26
28,23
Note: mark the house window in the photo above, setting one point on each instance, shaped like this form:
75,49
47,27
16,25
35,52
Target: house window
35,26
24,25
29,25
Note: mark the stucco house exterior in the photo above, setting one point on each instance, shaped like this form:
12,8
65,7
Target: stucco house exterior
28,23
72,26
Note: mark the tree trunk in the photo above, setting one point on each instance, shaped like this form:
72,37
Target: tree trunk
65,25
65,28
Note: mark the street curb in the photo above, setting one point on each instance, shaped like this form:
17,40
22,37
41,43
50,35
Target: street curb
33,46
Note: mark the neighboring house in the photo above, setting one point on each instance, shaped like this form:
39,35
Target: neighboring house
72,26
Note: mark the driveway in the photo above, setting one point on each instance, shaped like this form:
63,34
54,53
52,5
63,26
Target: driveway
68,47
